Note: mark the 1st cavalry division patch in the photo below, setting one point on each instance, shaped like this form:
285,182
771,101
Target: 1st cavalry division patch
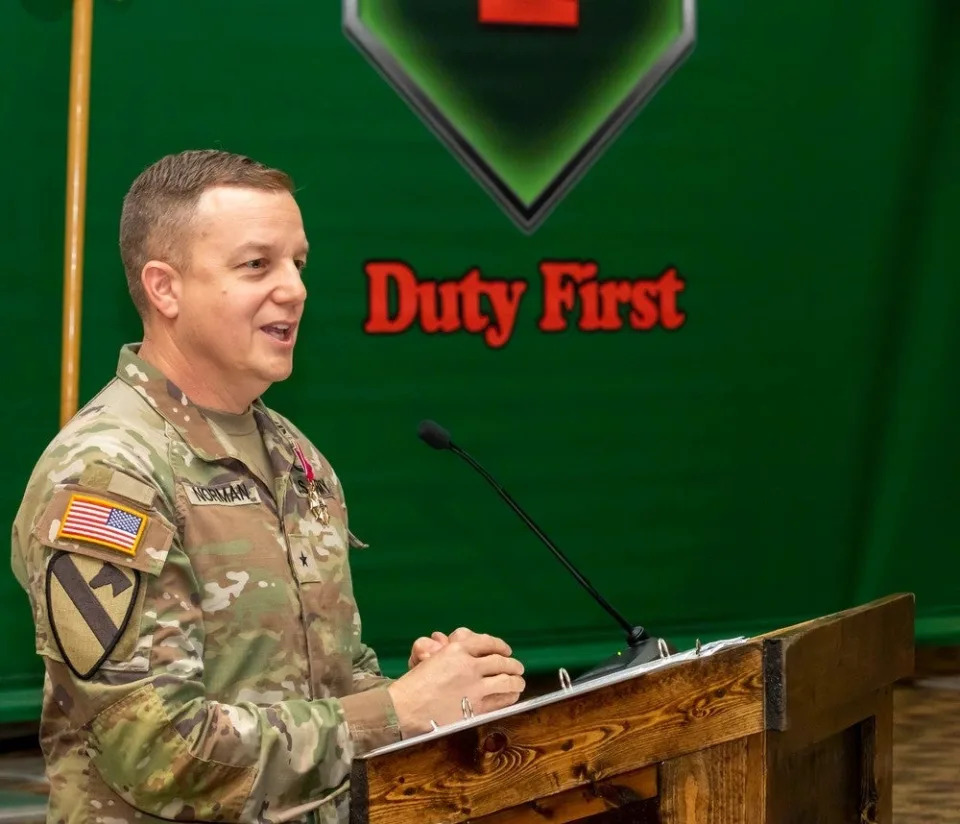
89,600
89,604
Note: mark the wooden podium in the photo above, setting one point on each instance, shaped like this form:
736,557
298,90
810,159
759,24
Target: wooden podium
788,727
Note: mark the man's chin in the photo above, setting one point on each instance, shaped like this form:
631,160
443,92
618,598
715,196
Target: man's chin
278,371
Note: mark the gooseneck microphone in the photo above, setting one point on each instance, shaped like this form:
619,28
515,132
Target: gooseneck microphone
641,647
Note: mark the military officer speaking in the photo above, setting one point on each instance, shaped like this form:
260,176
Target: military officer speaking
185,548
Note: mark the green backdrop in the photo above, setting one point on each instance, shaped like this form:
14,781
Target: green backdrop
790,451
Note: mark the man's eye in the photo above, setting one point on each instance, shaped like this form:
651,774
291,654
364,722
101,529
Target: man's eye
259,263
301,264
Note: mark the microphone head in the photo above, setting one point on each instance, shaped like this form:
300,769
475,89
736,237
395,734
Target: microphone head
433,434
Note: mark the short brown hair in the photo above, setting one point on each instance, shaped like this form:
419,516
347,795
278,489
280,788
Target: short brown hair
160,205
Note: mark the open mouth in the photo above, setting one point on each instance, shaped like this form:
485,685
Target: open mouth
282,332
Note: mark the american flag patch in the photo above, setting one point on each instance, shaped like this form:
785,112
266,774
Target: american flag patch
104,523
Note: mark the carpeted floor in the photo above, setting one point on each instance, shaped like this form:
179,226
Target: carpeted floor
926,752
926,760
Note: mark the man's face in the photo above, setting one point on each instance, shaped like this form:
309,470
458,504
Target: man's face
242,294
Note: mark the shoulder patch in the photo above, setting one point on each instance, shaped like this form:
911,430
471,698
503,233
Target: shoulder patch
105,526
103,522
89,605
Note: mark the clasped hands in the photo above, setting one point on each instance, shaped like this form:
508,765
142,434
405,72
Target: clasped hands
445,669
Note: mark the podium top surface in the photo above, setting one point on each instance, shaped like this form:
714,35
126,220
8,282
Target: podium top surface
811,678
861,648
563,694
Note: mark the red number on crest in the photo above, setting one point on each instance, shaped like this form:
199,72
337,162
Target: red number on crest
531,12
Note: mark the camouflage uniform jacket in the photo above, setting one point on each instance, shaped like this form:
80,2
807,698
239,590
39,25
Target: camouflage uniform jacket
198,627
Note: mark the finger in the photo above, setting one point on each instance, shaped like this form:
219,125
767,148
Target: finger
479,645
422,644
463,633
440,637
421,650
492,665
427,647
503,684
499,701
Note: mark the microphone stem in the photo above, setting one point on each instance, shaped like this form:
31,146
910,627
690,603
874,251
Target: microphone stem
560,556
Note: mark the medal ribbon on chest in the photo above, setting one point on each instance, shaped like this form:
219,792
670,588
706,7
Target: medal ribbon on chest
318,507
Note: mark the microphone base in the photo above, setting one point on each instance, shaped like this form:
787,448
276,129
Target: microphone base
640,652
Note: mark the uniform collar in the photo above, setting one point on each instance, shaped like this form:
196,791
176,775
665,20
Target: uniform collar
276,438
186,417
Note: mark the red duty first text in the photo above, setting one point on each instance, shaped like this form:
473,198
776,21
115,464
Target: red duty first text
571,293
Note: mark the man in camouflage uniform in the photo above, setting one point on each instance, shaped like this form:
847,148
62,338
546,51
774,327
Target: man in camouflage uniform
185,548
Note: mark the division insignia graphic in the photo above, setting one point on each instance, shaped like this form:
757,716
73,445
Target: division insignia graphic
89,604
526,93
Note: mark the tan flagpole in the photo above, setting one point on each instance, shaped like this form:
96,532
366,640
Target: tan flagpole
78,127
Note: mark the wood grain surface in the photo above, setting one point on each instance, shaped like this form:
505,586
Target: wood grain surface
719,785
619,728
837,659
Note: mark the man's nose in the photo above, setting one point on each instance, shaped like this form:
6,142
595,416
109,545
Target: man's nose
291,288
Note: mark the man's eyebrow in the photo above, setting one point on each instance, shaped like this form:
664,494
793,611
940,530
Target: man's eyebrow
262,247
253,246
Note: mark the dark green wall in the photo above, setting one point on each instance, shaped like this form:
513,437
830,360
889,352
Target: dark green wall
791,450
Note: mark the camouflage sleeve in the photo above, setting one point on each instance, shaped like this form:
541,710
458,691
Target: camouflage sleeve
171,752
366,670
141,713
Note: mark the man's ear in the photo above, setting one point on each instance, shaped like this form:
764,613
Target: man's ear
163,286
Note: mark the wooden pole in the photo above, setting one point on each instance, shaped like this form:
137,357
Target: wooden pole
79,118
